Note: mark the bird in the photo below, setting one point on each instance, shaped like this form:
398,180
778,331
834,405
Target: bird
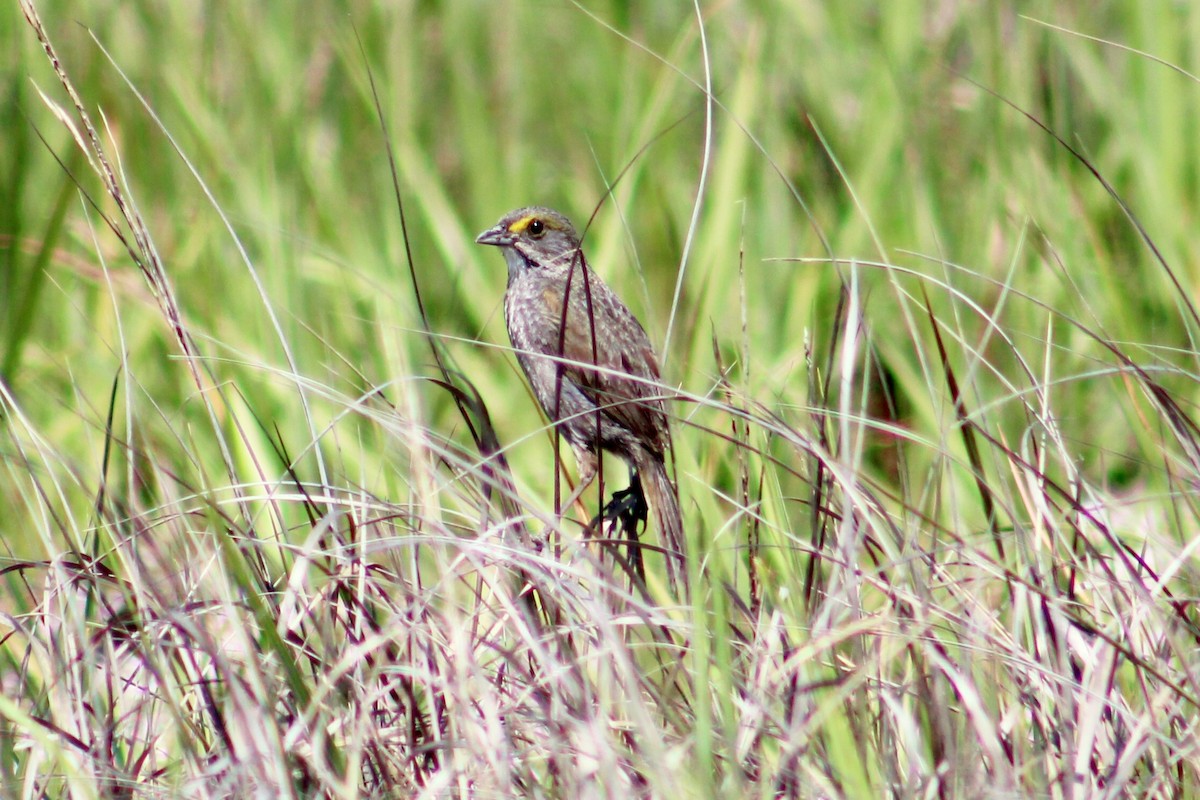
589,362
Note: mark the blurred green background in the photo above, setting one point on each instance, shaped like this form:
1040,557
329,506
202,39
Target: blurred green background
247,135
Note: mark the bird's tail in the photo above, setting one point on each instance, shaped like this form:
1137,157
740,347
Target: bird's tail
664,505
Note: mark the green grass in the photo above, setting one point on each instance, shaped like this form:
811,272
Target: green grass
935,439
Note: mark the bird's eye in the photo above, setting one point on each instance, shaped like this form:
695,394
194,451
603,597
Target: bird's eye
536,228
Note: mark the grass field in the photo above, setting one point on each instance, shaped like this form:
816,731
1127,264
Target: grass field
277,509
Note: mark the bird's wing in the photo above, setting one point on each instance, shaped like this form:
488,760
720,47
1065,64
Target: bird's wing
604,332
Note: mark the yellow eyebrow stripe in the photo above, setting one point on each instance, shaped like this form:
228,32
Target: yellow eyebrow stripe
520,225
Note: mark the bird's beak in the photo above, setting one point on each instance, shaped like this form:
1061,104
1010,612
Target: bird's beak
498,236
